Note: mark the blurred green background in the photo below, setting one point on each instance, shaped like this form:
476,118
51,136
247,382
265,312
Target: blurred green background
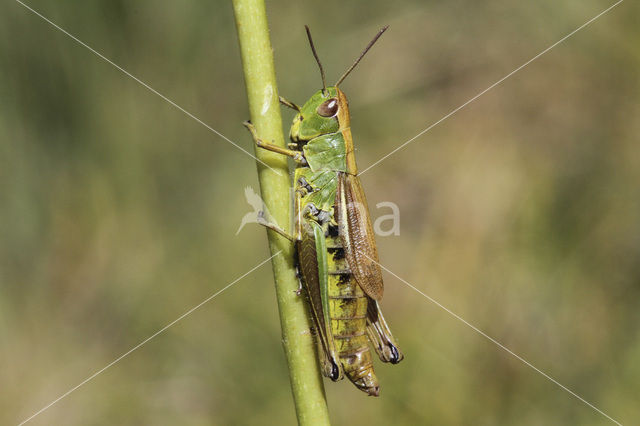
520,212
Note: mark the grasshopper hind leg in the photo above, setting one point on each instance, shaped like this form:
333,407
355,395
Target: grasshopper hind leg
380,336
329,363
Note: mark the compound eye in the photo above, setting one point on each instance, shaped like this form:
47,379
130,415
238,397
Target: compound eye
328,108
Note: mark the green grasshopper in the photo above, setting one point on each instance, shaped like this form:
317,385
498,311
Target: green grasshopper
336,250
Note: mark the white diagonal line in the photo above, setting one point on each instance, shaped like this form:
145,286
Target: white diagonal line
500,345
492,86
147,340
145,85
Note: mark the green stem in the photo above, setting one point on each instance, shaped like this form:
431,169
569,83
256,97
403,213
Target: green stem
262,93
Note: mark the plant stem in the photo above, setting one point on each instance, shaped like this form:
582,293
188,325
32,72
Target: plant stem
262,93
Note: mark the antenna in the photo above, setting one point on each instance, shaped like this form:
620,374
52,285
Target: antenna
364,52
315,55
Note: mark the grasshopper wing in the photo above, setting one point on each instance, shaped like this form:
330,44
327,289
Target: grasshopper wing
355,230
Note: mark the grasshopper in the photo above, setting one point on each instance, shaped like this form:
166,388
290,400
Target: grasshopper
337,257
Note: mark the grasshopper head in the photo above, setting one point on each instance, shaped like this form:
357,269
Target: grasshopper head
327,111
